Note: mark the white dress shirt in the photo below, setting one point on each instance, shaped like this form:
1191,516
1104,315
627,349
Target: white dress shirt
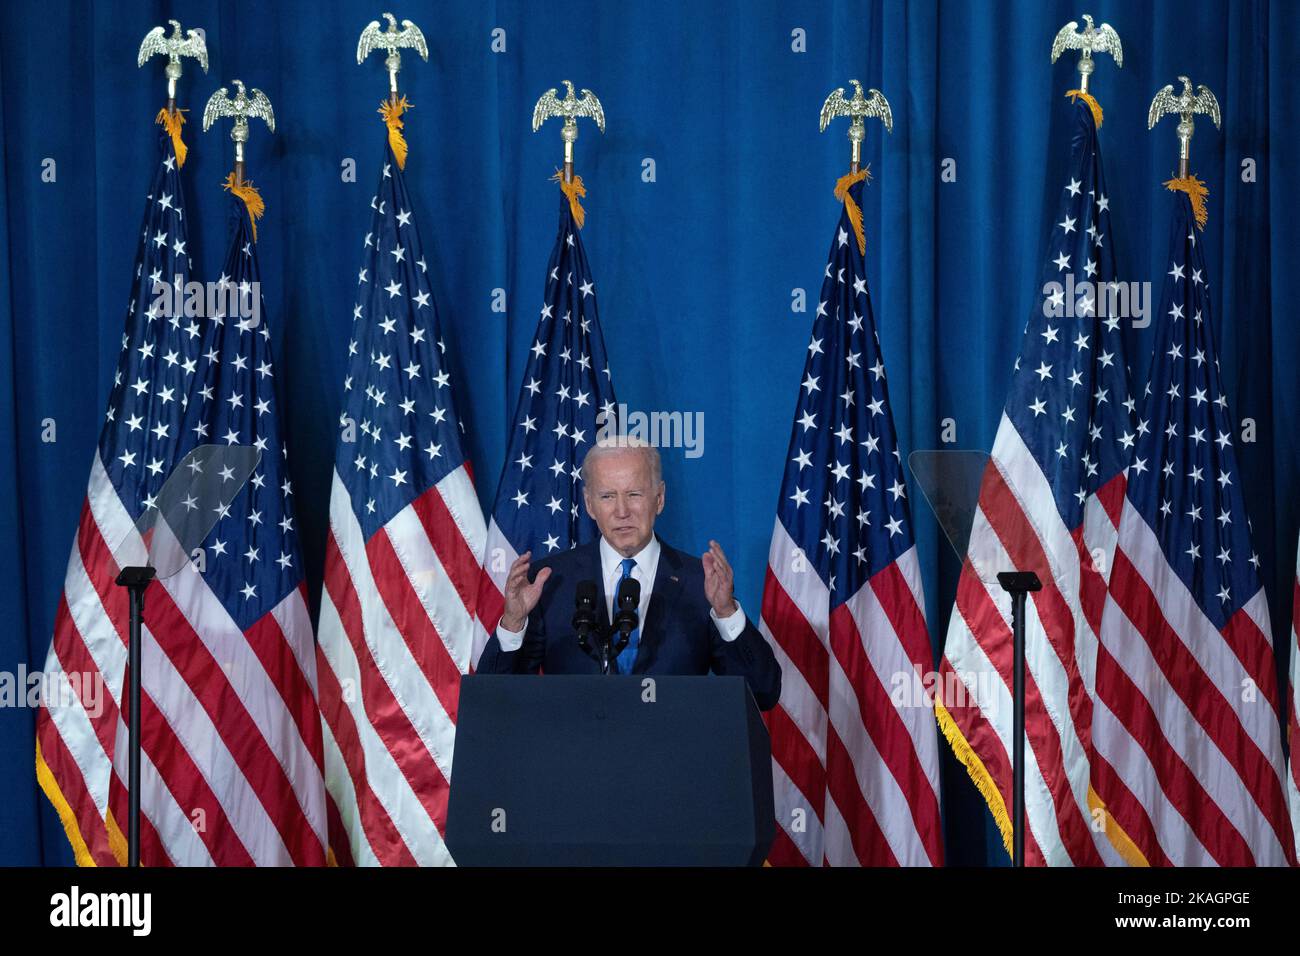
611,570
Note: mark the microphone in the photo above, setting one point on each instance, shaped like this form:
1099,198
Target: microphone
627,600
584,612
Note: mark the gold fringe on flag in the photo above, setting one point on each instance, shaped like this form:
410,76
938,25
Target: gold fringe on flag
1088,98
172,121
1196,192
983,781
1121,841
979,774
391,111
855,214
45,778
574,191
251,197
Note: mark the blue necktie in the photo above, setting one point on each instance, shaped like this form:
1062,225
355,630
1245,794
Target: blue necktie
628,657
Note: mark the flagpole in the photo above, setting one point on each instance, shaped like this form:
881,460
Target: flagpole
244,104
174,47
1018,584
136,578
1186,105
391,39
857,108
569,109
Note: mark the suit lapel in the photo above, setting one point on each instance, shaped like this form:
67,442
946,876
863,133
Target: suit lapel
668,582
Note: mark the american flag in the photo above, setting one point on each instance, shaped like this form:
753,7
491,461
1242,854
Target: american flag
401,563
1049,501
855,765
566,386
231,764
1186,730
1293,706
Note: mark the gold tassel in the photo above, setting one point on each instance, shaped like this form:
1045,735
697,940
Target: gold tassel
391,111
251,197
967,757
1196,192
172,120
855,214
67,816
574,191
1088,98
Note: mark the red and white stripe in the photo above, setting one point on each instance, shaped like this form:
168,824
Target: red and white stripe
232,762
396,633
1293,728
854,750
498,555
1187,735
1017,526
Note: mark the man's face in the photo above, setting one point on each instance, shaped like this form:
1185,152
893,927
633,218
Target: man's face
623,499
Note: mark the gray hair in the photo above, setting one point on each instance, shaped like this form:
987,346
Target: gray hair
614,444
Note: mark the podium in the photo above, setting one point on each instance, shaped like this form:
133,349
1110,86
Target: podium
637,770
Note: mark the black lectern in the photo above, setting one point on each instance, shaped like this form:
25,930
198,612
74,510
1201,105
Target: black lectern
609,771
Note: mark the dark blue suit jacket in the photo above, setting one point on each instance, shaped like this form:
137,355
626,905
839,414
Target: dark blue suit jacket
679,637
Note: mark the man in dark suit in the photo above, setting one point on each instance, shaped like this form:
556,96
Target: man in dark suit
690,621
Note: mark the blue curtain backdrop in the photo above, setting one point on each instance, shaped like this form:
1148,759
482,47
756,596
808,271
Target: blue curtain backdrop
695,269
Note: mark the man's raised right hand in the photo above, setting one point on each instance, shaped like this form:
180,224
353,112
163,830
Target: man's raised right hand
521,597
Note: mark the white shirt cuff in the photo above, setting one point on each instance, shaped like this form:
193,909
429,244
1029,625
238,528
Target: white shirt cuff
730,627
510,641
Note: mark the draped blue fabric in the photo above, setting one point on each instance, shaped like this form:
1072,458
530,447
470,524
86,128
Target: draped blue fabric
710,200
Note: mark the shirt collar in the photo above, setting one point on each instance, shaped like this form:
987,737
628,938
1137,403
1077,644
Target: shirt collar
611,561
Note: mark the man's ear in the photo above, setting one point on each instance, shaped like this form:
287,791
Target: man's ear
586,502
662,487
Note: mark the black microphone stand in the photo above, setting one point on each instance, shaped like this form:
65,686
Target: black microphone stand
135,580
1018,584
